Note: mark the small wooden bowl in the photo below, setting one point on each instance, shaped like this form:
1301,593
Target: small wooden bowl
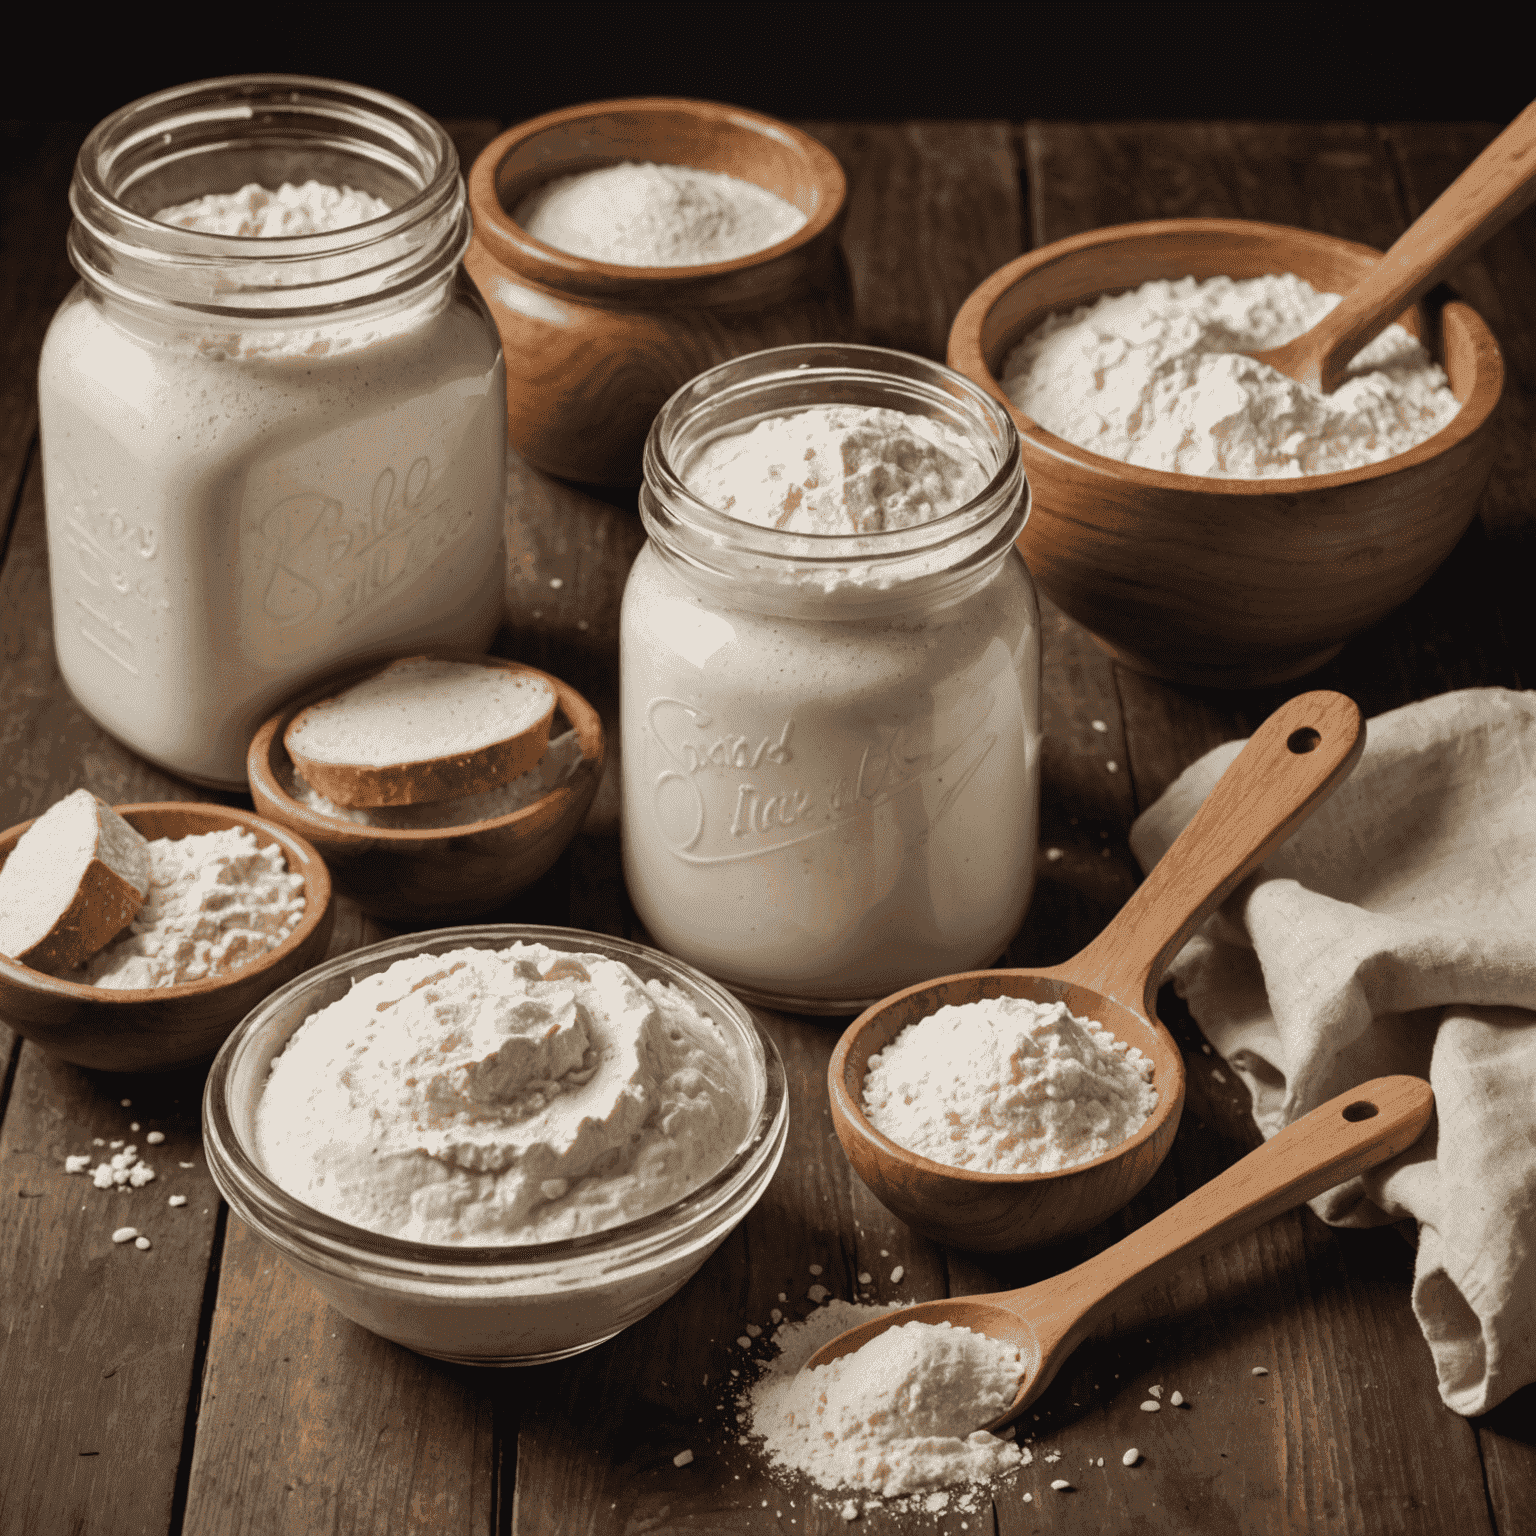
155,1029
1001,1212
593,349
429,876
1217,582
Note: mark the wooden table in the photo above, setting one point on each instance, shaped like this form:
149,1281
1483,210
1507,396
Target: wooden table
200,1387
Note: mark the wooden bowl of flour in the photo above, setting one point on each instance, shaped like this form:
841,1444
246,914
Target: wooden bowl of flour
415,877
1220,582
594,349
158,1028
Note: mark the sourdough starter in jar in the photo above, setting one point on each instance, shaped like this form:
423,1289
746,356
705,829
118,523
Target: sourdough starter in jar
273,421
830,684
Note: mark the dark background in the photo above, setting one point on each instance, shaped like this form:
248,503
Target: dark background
511,61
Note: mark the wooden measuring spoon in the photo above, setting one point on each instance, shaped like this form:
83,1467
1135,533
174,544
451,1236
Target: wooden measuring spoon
1500,183
1049,1319
1288,767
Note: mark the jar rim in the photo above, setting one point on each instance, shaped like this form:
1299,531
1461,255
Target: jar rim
125,251
689,528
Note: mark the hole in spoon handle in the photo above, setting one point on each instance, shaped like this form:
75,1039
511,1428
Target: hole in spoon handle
1361,1109
1303,740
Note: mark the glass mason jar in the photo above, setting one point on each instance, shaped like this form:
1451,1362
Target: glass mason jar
264,458
831,743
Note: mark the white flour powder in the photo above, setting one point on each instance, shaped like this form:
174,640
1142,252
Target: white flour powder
896,1417
838,469
1008,1086
216,902
657,215
1152,378
256,212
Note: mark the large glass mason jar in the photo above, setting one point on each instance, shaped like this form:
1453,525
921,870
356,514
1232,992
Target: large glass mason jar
831,743
264,457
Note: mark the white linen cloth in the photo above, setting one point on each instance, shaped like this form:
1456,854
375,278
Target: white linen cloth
1396,932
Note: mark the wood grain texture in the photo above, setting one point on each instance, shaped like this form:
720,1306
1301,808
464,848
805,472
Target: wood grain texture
309,1423
37,159
100,1341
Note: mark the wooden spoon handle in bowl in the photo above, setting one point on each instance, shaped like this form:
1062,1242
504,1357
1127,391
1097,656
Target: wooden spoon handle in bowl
1289,766
1500,183
1339,1139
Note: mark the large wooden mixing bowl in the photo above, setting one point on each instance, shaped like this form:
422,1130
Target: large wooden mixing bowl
1220,582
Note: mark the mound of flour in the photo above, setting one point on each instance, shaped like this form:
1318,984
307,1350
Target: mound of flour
1153,378
1008,1086
897,1416
657,215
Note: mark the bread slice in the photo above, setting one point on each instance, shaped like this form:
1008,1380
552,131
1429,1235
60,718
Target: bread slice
74,881
424,730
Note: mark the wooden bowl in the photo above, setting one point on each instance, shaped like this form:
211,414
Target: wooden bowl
1218,582
410,877
593,349
157,1028
1000,1212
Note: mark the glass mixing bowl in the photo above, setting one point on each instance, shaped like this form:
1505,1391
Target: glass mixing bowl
513,1304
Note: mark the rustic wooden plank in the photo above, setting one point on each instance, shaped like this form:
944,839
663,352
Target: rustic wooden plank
35,274
1328,1297
310,1423
933,208
98,1341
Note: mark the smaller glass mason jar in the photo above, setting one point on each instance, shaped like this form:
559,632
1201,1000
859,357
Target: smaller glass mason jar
264,457
831,743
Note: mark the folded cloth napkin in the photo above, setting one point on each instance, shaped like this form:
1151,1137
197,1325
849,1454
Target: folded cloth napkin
1396,932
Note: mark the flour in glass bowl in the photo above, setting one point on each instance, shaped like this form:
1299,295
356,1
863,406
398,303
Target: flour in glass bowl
657,215
254,212
1008,1085
1154,378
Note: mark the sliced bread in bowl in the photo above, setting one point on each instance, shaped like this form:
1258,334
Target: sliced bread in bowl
73,882
423,729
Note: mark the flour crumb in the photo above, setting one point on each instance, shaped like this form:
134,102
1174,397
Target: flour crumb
142,1244
754,1331
1099,725
744,1341
125,1234
126,1103
865,1278
1259,1370
815,1269
78,1163
134,1126
155,1138
1053,854
850,1510
818,1294
682,1458
936,1501
186,1165
1154,1391
1061,1485
1130,1458
1217,1075
1177,1399
774,1315
897,1273
1151,1405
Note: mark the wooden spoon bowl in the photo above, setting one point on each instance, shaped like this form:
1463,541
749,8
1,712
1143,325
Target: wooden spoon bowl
1048,1320
1289,766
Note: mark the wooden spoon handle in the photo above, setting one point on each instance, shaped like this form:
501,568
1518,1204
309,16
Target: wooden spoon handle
1350,1133
1500,183
1290,765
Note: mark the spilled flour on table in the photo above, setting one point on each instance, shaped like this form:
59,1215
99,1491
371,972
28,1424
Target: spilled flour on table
894,1420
